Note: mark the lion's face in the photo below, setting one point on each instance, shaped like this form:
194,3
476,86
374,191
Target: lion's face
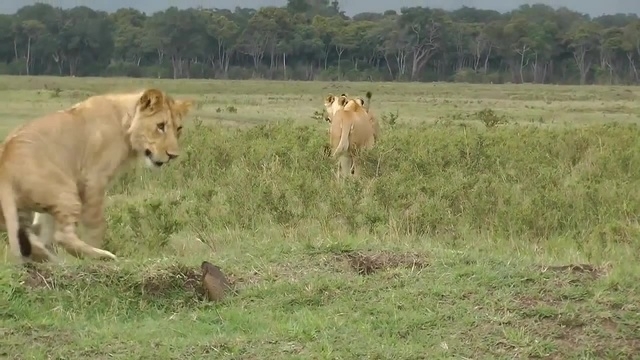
156,127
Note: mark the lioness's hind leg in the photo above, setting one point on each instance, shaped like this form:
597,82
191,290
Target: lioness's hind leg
345,165
66,218
355,166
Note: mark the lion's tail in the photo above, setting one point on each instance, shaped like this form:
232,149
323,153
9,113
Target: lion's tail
18,237
343,145
368,104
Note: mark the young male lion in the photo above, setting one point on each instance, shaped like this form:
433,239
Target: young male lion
353,128
61,164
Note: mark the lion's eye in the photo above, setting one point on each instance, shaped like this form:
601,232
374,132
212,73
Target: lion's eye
179,128
161,126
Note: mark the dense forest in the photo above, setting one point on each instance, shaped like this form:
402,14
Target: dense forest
315,40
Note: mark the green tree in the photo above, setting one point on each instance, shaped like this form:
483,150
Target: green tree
86,38
32,31
493,35
610,42
260,34
344,37
322,28
424,29
179,35
129,35
582,39
395,48
222,35
6,37
298,6
631,46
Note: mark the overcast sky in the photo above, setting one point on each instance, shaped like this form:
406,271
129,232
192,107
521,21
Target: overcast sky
351,7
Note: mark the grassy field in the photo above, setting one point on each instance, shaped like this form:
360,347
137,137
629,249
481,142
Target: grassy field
457,243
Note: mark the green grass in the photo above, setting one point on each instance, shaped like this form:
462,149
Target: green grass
450,246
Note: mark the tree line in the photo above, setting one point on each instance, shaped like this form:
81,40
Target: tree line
315,40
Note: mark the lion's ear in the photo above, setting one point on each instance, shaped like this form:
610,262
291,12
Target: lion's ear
182,107
360,101
343,94
151,100
329,98
342,101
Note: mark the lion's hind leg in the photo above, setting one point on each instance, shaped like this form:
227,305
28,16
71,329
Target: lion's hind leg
356,170
345,165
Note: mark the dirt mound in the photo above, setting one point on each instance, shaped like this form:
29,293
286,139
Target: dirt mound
367,263
176,277
156,281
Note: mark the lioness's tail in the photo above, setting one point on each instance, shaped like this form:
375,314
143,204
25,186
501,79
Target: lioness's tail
368,104
19,243
343,145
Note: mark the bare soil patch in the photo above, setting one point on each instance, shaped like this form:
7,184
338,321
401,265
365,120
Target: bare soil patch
367,263
588,270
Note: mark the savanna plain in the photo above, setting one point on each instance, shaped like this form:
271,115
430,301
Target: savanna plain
490,221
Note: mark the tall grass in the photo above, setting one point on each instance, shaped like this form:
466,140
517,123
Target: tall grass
576,188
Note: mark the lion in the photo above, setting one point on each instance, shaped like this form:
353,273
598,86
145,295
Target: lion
61,164
334,103
352,128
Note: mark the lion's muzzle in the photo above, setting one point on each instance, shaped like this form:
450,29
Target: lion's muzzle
154,161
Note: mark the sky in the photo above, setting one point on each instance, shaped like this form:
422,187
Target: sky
351,7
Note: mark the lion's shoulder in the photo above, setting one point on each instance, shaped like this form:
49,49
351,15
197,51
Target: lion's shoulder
96,116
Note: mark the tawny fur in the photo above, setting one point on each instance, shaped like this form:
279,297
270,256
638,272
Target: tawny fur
27,218
352,129
334,103
61,164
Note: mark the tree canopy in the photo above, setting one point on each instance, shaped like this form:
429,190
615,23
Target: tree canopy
315,40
